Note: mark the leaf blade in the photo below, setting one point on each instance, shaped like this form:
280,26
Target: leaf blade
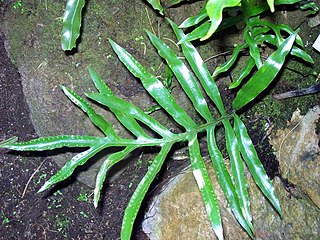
255,166
126,120
50,143
225,180
138,195
127,108
71,24
95,118
202,178
67,170
106,165
214,10
184,77
244,73
199,68
156,5
237,169
154,87
264,76
191,21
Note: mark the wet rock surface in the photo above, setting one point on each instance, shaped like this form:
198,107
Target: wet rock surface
298,151
178,211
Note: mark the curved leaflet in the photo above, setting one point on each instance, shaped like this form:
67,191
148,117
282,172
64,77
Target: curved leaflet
71,24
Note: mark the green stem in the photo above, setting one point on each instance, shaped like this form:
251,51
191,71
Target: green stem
146,142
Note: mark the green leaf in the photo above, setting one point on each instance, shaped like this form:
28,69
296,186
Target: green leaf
8,142
244,73
70,166
237,169
156,5
311,6
255,166
201,175
279,2
295,51
191,21
184,77
198,66
155,88
95,118
106,165
175,2
50,143
129,109
140,192
71,24
265,74
228,64
202,30
197,33
126,120
253,47
225,180
271,5
214,10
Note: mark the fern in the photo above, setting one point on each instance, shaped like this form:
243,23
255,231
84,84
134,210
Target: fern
71,24
239,145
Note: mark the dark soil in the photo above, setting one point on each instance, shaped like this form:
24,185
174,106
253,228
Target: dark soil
66,212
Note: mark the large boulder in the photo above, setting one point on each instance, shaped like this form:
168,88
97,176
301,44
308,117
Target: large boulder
178,211
33,35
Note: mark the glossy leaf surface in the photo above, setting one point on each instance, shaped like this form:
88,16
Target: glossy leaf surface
265,75
184,77
71,24
237,169
156,5
195,83
132,209
214,10
244,73
198,66
225,180
202,178
255,166
271,5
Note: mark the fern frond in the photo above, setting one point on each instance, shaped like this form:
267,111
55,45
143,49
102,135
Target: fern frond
134,119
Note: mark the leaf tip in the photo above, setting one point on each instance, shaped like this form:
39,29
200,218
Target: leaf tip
219,233
44,187
113,43
7,142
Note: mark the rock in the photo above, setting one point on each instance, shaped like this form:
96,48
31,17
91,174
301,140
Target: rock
314,21
178,211
33,41
298,152
34,45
